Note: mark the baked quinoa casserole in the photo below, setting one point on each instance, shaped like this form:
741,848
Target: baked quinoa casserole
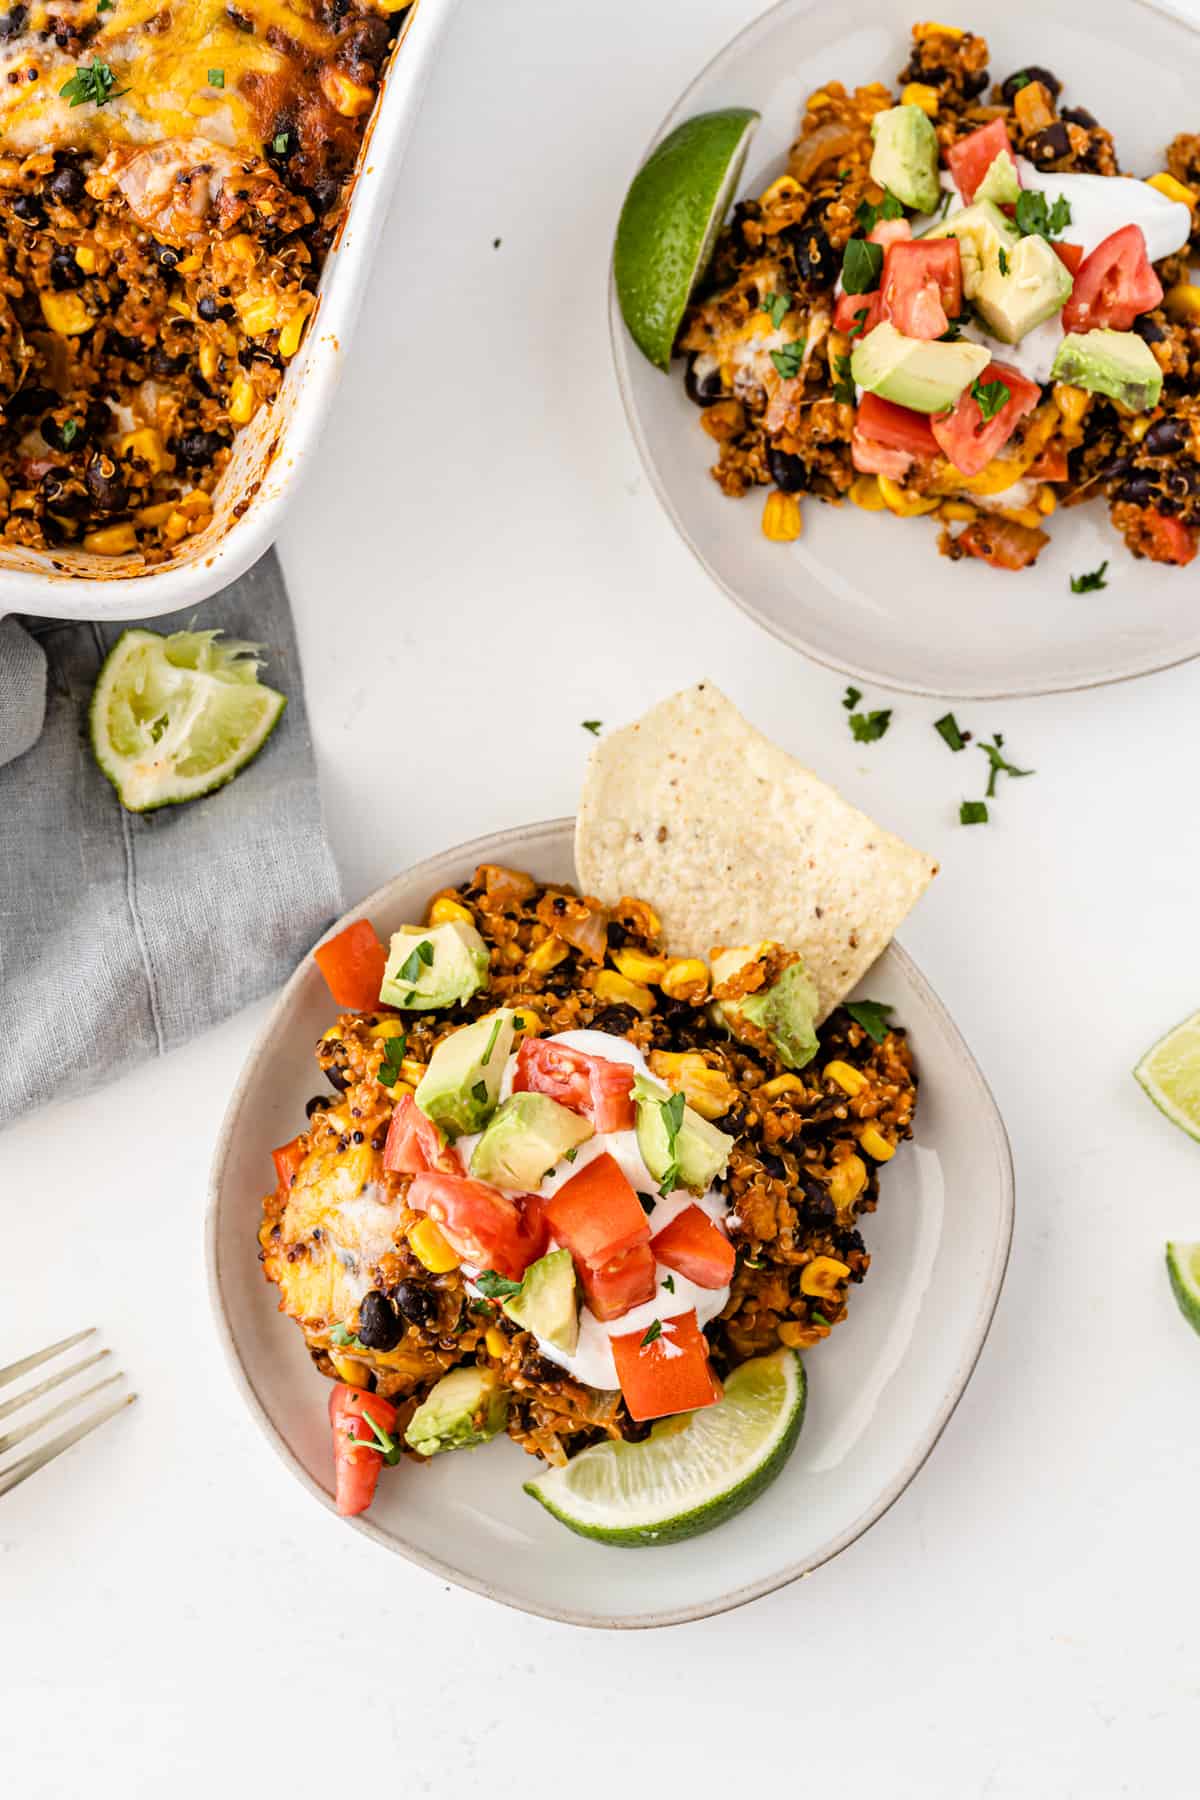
170,180
952,304
672,1133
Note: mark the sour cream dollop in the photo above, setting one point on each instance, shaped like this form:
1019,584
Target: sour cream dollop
591,1362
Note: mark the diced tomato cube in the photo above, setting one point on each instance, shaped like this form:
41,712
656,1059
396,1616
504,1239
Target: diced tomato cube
414,1144
594,1086
1070,255
596,1215
966,438
1114,285
857,314
694,1247
352,964
480,1223
615,1287
897,427
356,1459
922,286
287,1160
671,1374
1165,539
972,156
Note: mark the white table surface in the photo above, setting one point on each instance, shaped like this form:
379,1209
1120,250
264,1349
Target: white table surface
477,566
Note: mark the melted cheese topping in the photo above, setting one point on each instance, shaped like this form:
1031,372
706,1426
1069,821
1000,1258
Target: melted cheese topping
162,54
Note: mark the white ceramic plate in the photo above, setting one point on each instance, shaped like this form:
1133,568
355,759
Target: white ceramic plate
880,1390
867,593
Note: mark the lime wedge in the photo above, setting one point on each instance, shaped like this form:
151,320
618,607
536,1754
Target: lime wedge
694,1471
1170,1074
1183,1267
670,220
175,717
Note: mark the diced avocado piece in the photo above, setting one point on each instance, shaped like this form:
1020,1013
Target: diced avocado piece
786,1011
1026,289
905,157
1114,363
434,967
524,1139
548,1303
1001,184
927,377
983,231
461,1086
691,1151
466,1407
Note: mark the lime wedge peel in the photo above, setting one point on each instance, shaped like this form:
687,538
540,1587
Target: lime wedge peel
693,1472
1183,1269
173,718
1170,1074
669,223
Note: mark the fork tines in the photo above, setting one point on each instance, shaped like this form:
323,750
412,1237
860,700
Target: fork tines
33,1460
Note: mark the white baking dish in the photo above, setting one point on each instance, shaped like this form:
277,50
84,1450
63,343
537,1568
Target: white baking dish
271,454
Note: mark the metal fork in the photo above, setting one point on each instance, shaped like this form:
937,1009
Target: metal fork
34,1460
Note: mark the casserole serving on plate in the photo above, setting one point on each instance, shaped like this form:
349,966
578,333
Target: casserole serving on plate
185,207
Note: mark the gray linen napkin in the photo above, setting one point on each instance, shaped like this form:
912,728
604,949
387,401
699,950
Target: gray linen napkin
122,935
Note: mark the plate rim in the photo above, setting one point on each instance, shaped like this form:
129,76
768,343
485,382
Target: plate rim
620,346
486,848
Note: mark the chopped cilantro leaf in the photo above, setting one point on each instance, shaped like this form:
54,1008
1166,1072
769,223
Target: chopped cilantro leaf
69,432
973,812
790,359
216,78
947,728
990,397
592,725
410,971
777,306
92,81
1019,81
653,1333
1036,219
496,1287
861,265
347,1339
817,1316
393,1057
669,1283
998,765
281,142
872,1016
860,321
480,1092
491,1043
843,387
867,728
851,698
1003,262
1091,582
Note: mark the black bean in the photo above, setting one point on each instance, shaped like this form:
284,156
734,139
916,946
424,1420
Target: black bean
29,209
206,306
415,1302
1139,488
1022,77
356,1137
774,1165
66,185
62,495
166,255
1050,145
197,447
616,934
1164,437
380,1327
705,389
162,363
129,347
12,23
815,260
30,400
616,1019
787,472
337,1078
1079,115
109,493
65,272
1148,329
323,194
1110,470
317,1104
52,433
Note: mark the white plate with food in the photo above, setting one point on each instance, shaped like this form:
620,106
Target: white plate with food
166,356
1009,442
596,1217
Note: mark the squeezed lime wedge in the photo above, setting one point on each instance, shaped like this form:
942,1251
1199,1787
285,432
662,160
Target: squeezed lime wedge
1170,1074
694,1471
175,717
1183,1268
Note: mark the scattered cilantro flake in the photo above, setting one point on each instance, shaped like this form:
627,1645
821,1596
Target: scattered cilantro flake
790,359
947,728
393,1057
777,307
872,1016
868,728
571,1154
868,216
672,1118
1091,582
410,972
973,812
817,1316
952,333
861,265
851,698
106,5
491,1043
999,765
347,1339
379,1440
1036,219
592,725
944,205
653,1333
496,1287
843,387
860,321
92,81
1003,262
69,432
1019,81
669,1283
990,397
281,142
216,78
480,1092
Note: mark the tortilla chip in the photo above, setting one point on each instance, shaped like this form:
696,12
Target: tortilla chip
731,840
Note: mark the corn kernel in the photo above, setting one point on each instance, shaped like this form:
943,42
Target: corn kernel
864,493
412,1071
618,991
999,475
686,978
293,331
243,401
794,1335
176,526
345,96
781,1084
110,540
195,503
1136,429
430,1248
917,93
1072,402
148,446
85,257
387,1028
65,313
904,504
781,520
822,1277
848,1079
931,28
446,911
496,1342
547,955
786,188
398,1090
188,265
638,966
258,314
707,1091
209,359
158,514
354,1374
875,1144
723,420
242,248
1182,301
957,511
847,1180
1047,499
1028,516
1172,189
